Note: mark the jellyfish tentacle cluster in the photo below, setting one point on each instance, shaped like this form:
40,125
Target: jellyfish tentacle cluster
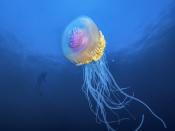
83,44
101,93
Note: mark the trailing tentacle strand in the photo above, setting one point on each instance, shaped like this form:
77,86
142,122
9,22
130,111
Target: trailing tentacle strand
103,93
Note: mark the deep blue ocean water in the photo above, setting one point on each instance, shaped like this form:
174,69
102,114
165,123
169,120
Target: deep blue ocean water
140,51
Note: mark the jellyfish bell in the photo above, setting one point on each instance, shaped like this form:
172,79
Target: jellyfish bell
83,44
82,41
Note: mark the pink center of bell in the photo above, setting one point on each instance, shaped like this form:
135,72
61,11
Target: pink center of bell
78,39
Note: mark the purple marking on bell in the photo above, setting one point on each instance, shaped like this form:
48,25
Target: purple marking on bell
78,39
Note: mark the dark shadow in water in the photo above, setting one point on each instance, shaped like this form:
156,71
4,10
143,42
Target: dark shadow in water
41,80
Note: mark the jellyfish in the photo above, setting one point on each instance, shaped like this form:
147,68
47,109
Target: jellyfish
84,45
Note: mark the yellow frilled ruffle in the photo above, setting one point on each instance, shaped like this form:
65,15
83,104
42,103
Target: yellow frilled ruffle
98,52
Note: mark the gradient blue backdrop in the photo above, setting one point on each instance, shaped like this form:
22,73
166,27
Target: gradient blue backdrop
140,37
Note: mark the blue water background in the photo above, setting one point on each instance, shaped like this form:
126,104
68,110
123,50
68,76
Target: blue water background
140,51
